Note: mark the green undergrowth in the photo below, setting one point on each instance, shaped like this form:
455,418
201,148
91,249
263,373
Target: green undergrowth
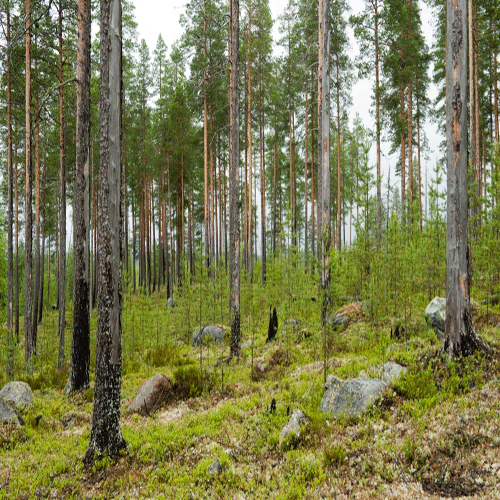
433,432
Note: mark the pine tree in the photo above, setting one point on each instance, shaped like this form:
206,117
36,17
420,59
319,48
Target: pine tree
105,436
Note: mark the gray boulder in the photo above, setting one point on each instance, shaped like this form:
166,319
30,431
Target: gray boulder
7,414
212,332
290,434
18,394
152,395
390,372
350,397
246,345
435,315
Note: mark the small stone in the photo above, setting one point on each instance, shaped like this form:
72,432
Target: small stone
215,469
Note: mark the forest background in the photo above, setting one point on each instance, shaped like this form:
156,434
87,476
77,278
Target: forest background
389,224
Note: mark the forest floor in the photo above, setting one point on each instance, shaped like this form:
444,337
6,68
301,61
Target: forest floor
433,434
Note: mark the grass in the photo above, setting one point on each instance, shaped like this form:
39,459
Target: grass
434,433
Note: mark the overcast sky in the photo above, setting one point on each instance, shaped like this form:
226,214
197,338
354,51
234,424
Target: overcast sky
155,17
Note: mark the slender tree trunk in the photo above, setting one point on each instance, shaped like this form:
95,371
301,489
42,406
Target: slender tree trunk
495,92
16,245
403,153
28,256
419,148
306,159
477,133
80,347
36,279
10,194
234,198
275,187
263,193
378,127
125,220
339,178
460,337
42,274
106,436
320,125
212,192
62,208
324,132
410,135
249,211
205,142
153,235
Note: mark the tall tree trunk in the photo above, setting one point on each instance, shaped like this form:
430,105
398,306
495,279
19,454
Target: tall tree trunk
42,274
378,126
306,159
324,132
106,437
410,135
262,193
153,235
234,167
339,178
16,244
10,194
28,256
460,337
477,133
495,92
249,210
402,116
61,287
80,347
419,147
205,142
275,187
36,279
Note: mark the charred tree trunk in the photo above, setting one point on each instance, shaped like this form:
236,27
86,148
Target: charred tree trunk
234,167
80,347
106,436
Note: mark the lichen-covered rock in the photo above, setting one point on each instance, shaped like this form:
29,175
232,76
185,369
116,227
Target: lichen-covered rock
435,315
390,372
347,314
18,394
7,414
350,397
212,332
152,395
291,432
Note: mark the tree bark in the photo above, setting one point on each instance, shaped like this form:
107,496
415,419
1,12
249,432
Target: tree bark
106,436
234,167
10,194
460,337
378,126
80,347
324,132
28,238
